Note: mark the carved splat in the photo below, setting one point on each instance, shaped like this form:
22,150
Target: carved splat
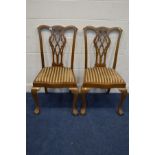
101,43
57,42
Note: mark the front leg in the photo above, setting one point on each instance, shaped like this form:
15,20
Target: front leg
75,92
84,104
34,91
84,101
120,105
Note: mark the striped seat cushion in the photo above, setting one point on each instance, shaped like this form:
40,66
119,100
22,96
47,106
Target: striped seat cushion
55,75
102,75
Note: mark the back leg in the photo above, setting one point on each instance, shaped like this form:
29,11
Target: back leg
46,90
108,91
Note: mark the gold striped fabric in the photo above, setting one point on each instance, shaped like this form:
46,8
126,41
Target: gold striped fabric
102,75
55,75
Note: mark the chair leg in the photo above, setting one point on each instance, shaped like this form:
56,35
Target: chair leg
34,91
120,105
84,101
75,93
46,91
108,91
84,104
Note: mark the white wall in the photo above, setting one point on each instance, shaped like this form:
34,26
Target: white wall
79,13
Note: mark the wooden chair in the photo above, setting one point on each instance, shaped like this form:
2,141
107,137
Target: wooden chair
56,75
101,76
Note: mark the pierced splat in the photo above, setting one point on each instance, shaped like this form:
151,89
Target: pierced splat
101,43
57,42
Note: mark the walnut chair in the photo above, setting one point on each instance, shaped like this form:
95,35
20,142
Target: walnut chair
56,75
101,76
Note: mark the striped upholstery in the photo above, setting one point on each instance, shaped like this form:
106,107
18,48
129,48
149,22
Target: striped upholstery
102,75
55,75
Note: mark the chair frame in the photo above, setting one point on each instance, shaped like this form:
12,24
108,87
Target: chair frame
85,88
56,30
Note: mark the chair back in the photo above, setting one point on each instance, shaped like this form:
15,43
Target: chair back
57,41
102,42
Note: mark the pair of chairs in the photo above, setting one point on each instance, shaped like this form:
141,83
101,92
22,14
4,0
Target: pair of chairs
59,76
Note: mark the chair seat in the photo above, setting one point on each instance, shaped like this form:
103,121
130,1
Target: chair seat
102,77
55,76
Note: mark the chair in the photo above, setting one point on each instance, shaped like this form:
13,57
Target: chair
56,75
101,76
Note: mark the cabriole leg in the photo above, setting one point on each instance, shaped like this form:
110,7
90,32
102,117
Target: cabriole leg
84,104
34,91
75,93
120,105
84,101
